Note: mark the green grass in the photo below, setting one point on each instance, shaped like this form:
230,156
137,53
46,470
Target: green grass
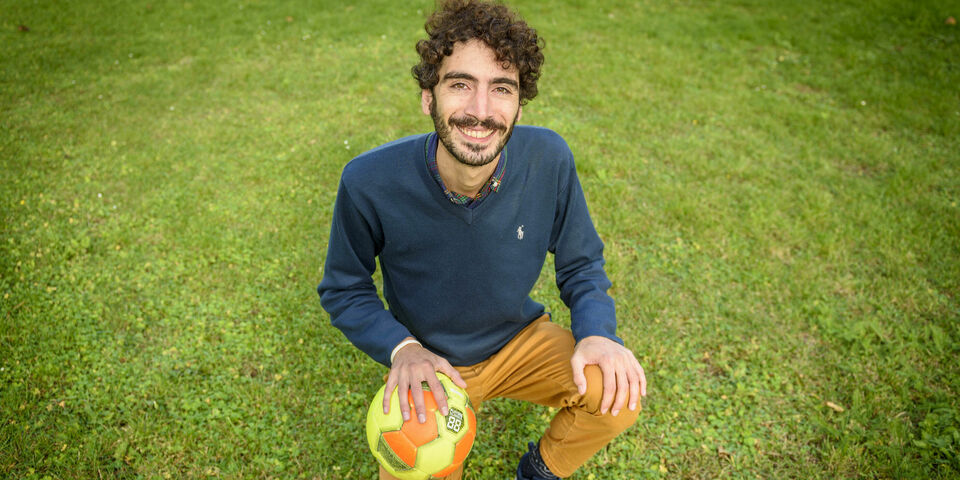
777,186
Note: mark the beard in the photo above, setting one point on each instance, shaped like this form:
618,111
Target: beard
469,154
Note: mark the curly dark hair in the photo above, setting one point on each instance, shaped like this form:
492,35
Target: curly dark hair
513,41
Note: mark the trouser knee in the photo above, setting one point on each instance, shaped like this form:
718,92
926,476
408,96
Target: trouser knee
593,398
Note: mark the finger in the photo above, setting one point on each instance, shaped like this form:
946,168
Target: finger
453,373
622,392
634,380
609,387
578,378
388,391
439,393
643,383
403,389
417,392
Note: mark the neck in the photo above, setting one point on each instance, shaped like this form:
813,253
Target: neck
463,179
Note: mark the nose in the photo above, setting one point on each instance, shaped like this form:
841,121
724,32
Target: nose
478,106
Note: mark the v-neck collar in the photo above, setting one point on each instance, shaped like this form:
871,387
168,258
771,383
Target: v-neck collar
492,185
468,215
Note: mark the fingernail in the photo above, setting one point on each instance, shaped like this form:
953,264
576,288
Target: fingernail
406,416
633,406
423,418
615,413
444,411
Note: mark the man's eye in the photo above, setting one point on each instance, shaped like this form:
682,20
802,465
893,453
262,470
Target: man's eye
503,90
459,86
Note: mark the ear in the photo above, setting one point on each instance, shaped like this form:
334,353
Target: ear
426,98
519,113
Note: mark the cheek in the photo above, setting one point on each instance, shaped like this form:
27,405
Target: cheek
451,105
511,114
508,109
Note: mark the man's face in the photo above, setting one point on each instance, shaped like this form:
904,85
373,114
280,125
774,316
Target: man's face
475,105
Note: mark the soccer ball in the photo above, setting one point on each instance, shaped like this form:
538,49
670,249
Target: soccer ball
416,451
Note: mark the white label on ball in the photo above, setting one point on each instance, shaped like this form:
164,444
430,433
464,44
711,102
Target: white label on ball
455,420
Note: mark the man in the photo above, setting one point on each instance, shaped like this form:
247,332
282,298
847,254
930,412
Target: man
461,220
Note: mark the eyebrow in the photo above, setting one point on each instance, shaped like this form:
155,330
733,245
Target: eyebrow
467,76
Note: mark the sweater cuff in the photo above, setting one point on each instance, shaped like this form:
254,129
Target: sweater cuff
586,328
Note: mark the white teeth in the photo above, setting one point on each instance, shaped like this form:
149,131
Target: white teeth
475,134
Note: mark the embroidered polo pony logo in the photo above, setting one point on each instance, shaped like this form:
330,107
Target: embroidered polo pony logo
520,232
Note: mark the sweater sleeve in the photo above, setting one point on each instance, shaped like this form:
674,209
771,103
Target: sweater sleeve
347,291
578,257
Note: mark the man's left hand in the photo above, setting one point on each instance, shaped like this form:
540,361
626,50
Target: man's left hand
623,376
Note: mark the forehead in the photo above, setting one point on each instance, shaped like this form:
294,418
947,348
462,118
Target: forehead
476,58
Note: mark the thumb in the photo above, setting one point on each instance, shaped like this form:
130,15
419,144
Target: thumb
578,378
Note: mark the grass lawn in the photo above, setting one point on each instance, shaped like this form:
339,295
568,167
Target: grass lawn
777,184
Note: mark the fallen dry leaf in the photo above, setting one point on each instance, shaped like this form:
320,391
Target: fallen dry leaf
722,452
834,406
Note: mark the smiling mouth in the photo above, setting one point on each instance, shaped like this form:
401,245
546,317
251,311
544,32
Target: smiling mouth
478,134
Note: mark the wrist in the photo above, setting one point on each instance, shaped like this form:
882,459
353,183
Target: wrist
404,343
591,338
597,338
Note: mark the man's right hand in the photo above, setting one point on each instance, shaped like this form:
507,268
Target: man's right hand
412,366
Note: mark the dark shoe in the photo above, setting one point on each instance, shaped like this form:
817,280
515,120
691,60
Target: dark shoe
531,466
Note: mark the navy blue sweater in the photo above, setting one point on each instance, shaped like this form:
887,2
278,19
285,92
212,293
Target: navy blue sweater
459,279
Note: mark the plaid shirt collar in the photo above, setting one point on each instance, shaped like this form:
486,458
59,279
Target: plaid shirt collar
492,185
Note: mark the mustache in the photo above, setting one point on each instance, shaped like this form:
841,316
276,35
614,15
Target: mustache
467,121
